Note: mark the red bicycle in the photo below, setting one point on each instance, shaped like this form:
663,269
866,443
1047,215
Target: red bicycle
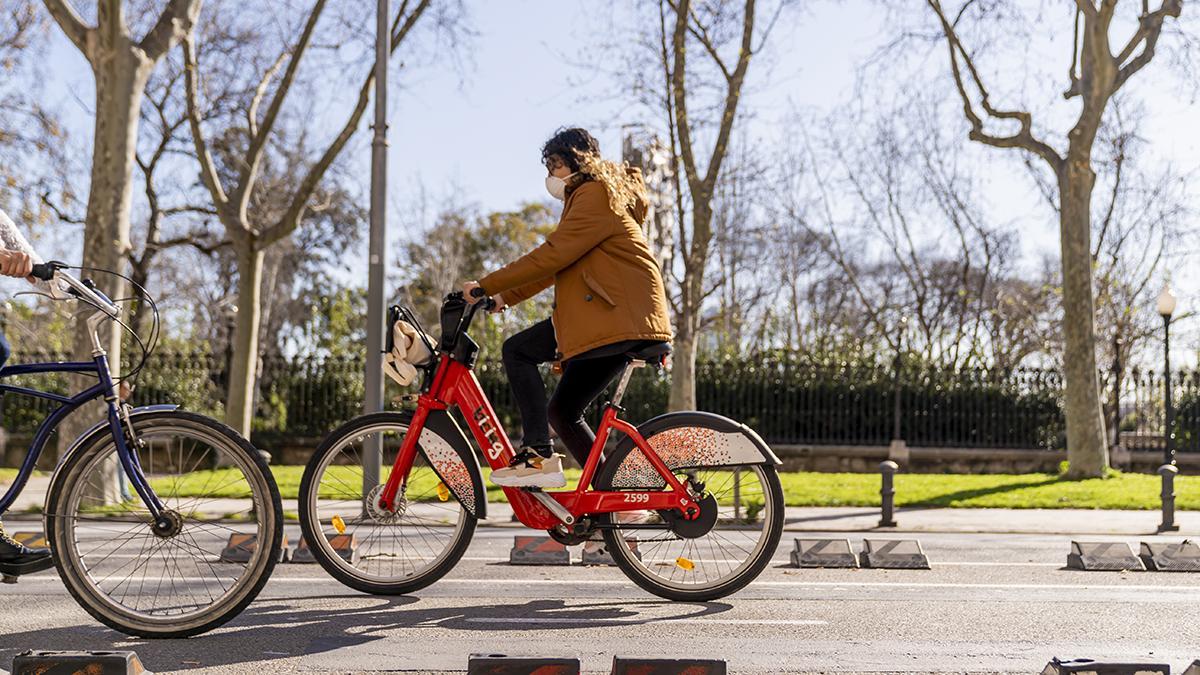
700,503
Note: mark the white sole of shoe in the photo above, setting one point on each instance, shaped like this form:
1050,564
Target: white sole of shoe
539,481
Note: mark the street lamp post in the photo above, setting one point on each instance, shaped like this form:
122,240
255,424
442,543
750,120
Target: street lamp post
1166,307
373,378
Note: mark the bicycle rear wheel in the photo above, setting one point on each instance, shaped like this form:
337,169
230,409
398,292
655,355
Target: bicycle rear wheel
720,552
399,551
172,584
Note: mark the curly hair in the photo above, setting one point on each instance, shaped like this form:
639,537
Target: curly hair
580,152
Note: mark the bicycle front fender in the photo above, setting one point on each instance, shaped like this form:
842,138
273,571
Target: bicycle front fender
452,457
102,428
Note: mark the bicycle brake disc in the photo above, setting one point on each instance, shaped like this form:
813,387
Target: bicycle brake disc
697,527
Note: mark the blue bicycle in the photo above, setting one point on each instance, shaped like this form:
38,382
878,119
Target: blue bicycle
163,523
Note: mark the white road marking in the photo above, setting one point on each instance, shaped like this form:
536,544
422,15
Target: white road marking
971,563
985,563
644,620
280,580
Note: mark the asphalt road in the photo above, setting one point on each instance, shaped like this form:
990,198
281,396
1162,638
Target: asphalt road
992,603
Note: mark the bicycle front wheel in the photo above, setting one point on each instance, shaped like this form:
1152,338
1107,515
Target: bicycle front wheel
399,551
218,494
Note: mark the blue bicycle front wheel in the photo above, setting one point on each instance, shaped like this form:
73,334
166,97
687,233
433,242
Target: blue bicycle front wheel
226,527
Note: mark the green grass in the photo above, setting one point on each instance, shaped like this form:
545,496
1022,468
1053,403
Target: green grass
1004,491
6,475
1024,491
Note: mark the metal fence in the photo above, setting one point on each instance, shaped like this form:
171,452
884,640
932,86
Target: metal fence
788,400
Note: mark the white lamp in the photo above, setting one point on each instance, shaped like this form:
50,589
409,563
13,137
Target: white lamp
1166,302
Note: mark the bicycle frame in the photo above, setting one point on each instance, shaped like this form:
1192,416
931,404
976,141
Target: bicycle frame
104,388
454,385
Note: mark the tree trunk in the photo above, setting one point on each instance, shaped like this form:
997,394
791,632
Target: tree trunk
683,368
1087,449
121,73
239,406
687,333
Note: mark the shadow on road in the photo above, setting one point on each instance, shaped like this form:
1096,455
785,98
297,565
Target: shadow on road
272,630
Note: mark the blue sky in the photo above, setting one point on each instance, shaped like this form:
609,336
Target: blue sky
472,135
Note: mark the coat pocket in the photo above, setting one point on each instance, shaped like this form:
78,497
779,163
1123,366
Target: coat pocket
597,289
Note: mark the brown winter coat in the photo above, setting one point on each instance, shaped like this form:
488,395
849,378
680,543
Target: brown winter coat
607,285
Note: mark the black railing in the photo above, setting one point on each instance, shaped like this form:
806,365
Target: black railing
787,400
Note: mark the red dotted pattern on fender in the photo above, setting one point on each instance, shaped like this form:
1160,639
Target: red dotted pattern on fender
684,447
450,467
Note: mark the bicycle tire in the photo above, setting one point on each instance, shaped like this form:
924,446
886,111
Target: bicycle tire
631,565
268,514
337,567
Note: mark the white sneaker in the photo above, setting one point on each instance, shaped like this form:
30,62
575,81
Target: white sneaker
529,469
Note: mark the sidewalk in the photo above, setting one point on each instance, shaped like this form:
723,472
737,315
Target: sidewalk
995,521
845,519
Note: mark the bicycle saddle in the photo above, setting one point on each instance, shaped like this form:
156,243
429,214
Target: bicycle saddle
653,353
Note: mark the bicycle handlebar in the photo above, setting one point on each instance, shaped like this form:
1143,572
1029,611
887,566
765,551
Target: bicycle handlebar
45,271
85,289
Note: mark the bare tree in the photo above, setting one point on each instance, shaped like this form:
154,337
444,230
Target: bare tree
709,27
898,215
1095,75
122,64
167,199
253,231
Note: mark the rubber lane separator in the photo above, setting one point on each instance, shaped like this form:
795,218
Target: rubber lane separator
1162,557
835,553
904,554
501,664
530,550
1111,556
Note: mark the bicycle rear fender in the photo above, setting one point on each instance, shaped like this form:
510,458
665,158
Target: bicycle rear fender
452,457
686,440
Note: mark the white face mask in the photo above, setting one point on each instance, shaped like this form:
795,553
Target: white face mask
557,187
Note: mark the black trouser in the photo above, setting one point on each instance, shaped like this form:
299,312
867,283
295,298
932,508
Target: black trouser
584,378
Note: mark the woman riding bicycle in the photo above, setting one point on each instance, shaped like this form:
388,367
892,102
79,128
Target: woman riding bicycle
17,258
609,299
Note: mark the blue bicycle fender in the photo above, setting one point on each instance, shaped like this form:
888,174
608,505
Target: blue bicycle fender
452,457
102,426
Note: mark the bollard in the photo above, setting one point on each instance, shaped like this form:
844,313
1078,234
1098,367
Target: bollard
1168,473
887,472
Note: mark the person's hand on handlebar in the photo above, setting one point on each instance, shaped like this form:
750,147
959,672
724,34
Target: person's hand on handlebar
473,294
16,264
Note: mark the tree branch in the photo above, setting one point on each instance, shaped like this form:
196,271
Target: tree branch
1149,29
175,23
1024,138
701,34
300,200
68,19
732,96
58,213
258,143
208,170
259,92
679,95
